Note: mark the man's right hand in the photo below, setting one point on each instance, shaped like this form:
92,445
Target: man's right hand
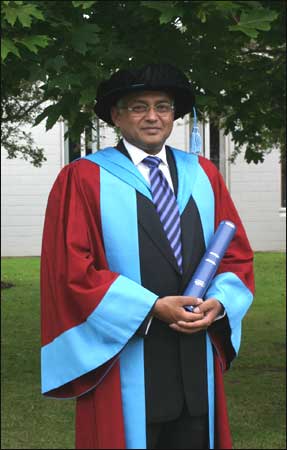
171,309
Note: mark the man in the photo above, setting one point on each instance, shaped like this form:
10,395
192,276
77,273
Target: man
125,229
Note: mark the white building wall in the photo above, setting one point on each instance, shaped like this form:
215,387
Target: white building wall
179,137
24,194
256,191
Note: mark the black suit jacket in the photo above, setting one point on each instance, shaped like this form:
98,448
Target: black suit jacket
175,363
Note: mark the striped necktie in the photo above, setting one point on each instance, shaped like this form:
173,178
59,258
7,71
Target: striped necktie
166,206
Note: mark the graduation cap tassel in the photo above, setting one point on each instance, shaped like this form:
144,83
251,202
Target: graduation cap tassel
195,138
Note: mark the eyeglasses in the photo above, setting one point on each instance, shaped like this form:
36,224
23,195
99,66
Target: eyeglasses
141,109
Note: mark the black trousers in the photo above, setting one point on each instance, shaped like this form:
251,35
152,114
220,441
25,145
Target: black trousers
186,432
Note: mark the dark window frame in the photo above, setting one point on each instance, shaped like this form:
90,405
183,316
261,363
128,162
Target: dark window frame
283,181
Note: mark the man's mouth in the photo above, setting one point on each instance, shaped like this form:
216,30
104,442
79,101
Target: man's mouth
151,129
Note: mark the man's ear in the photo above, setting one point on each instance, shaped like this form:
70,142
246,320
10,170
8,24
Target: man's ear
115,115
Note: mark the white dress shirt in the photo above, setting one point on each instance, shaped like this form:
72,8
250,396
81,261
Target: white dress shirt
137,155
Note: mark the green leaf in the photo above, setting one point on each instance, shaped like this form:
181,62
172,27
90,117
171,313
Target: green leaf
205,100
83,4
251,155
251,32
65,81
253,20
53,116
41,116
168,10
26,14
167,16
55,62
158,5
8,46
33,42
52,113
10,15
227,6
88,95
23,12
201,15
84,36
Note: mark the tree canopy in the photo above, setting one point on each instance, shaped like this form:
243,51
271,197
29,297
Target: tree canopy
232,51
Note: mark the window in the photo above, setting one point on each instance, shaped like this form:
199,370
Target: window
214,143
88,143
283,181
216,147
74,150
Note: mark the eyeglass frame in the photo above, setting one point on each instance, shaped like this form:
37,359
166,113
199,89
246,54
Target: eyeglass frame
148,108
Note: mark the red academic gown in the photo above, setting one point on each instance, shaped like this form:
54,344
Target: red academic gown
78,285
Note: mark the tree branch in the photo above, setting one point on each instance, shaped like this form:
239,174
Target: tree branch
22,112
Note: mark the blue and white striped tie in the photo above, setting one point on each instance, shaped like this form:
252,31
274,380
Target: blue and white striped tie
166,206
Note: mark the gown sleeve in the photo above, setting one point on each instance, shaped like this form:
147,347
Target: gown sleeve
233,284
88,313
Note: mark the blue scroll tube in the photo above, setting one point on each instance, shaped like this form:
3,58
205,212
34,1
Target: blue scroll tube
210,261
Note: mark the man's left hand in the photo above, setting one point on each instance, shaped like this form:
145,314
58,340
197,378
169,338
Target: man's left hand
211,308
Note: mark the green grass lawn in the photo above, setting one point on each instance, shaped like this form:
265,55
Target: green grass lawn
255,384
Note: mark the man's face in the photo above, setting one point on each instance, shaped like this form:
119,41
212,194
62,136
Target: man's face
148,129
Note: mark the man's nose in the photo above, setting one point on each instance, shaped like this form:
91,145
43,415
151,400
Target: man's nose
151,114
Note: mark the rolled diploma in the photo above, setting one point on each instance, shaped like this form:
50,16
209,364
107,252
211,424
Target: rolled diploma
210,261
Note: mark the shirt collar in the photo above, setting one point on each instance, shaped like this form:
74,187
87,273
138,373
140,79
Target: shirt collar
137,154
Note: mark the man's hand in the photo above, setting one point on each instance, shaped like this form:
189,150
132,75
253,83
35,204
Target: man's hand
210,309
171,309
